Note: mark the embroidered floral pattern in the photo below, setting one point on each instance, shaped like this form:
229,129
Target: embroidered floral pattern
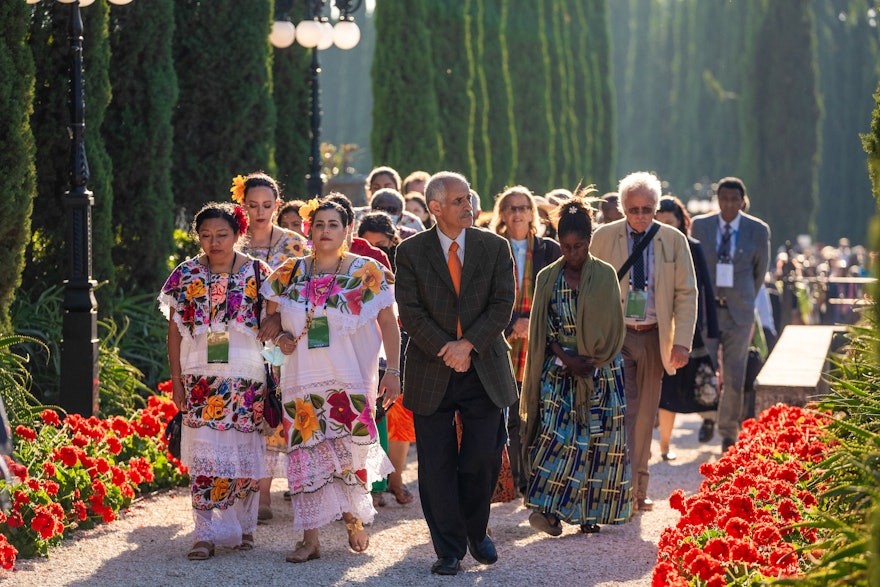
223,403
346,292
290,245
219,492
231,295
332,413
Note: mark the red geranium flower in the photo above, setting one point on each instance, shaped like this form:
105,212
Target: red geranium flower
25,433
50,417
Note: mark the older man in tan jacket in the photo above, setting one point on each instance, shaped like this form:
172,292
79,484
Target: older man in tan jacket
659,298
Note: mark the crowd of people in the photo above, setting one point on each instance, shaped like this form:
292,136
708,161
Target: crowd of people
539,342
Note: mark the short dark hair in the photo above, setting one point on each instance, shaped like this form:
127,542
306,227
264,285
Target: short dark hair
731,182
211,210
574,216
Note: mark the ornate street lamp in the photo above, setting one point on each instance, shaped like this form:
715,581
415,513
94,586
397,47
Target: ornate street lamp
316,33
79,333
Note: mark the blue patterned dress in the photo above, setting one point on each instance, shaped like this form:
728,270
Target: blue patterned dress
580,472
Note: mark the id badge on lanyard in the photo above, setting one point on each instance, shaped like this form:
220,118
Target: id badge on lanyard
724,275
218,344
636,304
319,333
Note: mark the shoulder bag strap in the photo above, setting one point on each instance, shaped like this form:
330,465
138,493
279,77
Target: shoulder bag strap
639,248
258,277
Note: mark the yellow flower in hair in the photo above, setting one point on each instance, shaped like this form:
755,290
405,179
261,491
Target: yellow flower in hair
309,209
237,189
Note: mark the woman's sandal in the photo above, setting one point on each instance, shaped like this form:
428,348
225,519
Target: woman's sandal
401,494
590,528
358,539
201,551
247,542
305,551
541,522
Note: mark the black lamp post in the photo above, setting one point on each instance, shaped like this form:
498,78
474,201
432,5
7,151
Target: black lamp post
79,331
315,32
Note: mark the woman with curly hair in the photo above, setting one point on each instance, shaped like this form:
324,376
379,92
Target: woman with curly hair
218,379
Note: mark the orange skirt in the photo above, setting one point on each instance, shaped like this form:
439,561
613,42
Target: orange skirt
400,424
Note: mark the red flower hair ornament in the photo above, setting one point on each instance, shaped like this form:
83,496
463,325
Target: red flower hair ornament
241,218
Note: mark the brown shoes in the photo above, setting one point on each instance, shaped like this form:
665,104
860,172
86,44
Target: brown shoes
644,505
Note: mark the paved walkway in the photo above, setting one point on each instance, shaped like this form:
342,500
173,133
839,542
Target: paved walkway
146,547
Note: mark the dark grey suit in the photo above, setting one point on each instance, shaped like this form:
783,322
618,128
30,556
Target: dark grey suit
736,307
456,483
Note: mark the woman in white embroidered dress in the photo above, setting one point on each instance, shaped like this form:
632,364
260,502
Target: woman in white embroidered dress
258,193
336,311
218,379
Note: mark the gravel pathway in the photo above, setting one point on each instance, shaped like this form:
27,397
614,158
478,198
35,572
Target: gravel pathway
146,547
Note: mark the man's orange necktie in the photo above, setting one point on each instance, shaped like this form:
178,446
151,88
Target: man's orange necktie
454,264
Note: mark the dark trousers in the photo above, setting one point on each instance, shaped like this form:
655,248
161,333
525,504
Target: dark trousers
456,483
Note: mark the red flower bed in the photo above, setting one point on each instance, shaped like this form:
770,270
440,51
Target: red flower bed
78,472
741,525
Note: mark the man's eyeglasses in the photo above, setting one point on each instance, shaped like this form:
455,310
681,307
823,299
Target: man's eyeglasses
643,211
515,209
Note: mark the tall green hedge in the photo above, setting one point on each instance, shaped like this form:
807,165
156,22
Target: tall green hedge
871,145
290,92
140,137
405,113
18,180
224,123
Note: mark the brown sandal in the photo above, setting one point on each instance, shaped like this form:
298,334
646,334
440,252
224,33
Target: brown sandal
247,542
358,539
305,551
401,494
201,551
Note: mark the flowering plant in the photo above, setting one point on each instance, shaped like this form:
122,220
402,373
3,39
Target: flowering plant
241,219
237,189
742,527
78,472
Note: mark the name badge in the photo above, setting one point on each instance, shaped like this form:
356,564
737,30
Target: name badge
218,347
319,333
724,275
636,304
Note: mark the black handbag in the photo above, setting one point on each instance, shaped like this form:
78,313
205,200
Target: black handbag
173,432
272,409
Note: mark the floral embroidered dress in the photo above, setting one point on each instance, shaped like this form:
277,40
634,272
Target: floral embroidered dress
221,445
329,394
291,244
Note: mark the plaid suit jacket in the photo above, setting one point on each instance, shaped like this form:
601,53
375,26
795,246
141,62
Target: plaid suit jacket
429,312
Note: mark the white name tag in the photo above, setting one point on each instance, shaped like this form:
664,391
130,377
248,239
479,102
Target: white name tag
724,275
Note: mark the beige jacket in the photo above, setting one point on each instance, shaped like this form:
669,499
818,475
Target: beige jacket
675,284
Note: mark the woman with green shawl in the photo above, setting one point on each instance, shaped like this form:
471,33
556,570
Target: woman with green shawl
572,403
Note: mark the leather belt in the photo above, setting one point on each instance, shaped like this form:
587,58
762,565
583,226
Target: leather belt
721,302
642,327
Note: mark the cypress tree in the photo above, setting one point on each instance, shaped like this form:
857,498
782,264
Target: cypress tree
450,78
849,61
785,111
140,136
601,147
290,74
529,96
405,111
224,123
18,180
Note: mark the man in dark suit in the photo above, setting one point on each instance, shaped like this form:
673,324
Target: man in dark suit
457,360
737,248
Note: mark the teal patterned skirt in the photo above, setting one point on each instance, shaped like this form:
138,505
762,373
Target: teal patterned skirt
578,476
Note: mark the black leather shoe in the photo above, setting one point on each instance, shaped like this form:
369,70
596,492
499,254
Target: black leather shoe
446,565
483,551
726,444
707,431
590,528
